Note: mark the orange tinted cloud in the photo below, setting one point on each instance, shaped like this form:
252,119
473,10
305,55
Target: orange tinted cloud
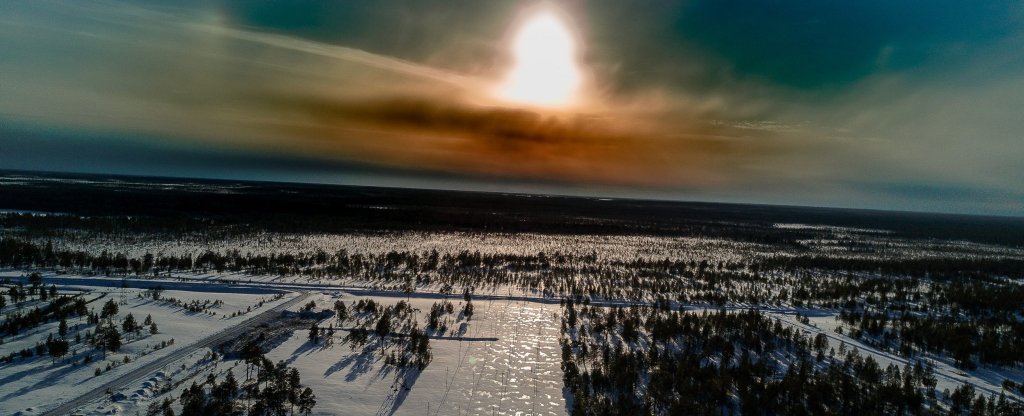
431,134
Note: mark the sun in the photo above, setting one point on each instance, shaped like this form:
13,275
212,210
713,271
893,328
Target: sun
544,71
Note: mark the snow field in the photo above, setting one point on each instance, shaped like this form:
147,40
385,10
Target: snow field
32,385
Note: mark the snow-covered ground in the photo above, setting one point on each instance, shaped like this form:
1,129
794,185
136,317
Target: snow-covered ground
516,374
32,385
985,378
507,363
611,247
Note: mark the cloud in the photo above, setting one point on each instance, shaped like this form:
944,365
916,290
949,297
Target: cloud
353,55
689,100
206,85
444,135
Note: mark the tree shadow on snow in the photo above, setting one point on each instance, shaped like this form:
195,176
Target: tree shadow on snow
404,380
51,379
569,399
306,348
358,364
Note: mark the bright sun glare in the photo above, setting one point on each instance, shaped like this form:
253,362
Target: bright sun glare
544,72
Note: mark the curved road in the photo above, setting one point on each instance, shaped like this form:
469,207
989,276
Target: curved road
121,382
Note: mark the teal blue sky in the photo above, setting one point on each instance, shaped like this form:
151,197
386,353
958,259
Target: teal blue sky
907,105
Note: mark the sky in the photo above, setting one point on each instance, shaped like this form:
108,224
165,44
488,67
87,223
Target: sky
902,105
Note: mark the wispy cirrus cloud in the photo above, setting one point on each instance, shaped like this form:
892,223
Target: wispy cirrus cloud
676,108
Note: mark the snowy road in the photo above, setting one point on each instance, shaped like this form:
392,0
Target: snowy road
152,367
196,284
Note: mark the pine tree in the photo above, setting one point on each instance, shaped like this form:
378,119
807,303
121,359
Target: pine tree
306,401
57,348
383,327
112,338
129,325
109,309
314,333
341,311
193,400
